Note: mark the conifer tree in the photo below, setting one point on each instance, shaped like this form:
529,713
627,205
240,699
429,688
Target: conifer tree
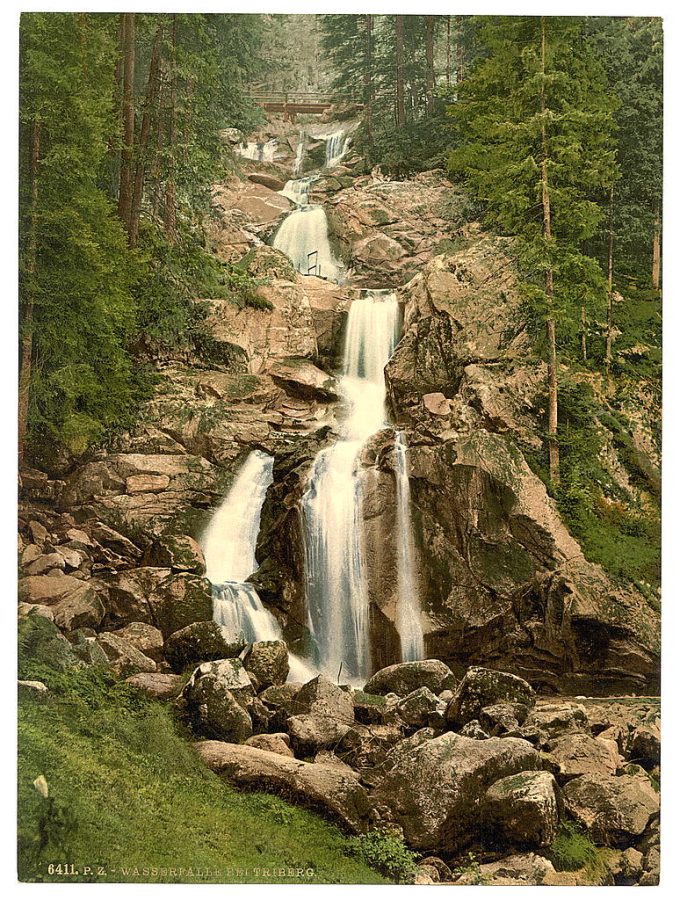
535,125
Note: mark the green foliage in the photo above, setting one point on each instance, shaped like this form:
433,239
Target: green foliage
504,138
135,795
572,849
471,869
631,49
88,300
612,530
362,53
387,853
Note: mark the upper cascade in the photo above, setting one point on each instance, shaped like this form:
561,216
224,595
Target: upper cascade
258,151
337,145
303,237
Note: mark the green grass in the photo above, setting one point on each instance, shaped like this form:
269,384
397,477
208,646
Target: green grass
127,792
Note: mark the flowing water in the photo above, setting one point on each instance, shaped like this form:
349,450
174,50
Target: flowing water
297,190
408,622
336,582
303,237
259,152
229,549
300,153
337,144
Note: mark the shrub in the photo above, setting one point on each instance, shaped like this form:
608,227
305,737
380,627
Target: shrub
386,852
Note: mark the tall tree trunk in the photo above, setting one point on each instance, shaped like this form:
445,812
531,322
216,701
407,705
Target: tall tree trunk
368,86
150,105
128,119
170,208
584,333
460,50
553,447
448,51
400,104
656,248
28,290
610,287
429,64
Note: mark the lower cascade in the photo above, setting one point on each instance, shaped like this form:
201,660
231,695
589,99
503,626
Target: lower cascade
229,548
336,579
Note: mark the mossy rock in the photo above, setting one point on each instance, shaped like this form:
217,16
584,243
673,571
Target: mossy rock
198,643
181,600
42,644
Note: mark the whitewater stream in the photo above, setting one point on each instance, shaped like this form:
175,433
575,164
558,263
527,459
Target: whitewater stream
336,579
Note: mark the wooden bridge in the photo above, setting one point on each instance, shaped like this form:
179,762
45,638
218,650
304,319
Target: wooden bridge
290,103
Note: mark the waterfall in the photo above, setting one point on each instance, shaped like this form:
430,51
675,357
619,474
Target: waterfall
409,625
297,190
336,147
300,153
335,576
229,549
303,237
258,151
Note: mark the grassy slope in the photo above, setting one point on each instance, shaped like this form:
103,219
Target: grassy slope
129,791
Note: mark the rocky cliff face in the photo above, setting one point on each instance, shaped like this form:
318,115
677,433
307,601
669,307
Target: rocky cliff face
502,582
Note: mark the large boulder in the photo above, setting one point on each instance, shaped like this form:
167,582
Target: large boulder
82,608
433,787
402,678
416,708
156,685
197,643
268,662
580,754
616,810
146,638
326,788
124,657
178,552
323,714
180,600
485,687
512,871
503,718
522,810
303,378
366,747
645,745
274,743
552,720
219,696
130,592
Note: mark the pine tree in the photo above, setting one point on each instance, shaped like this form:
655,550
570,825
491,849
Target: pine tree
535,123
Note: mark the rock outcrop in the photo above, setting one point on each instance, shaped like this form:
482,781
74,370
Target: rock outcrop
462,769
313,784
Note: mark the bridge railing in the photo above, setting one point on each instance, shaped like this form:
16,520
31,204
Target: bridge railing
292,97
